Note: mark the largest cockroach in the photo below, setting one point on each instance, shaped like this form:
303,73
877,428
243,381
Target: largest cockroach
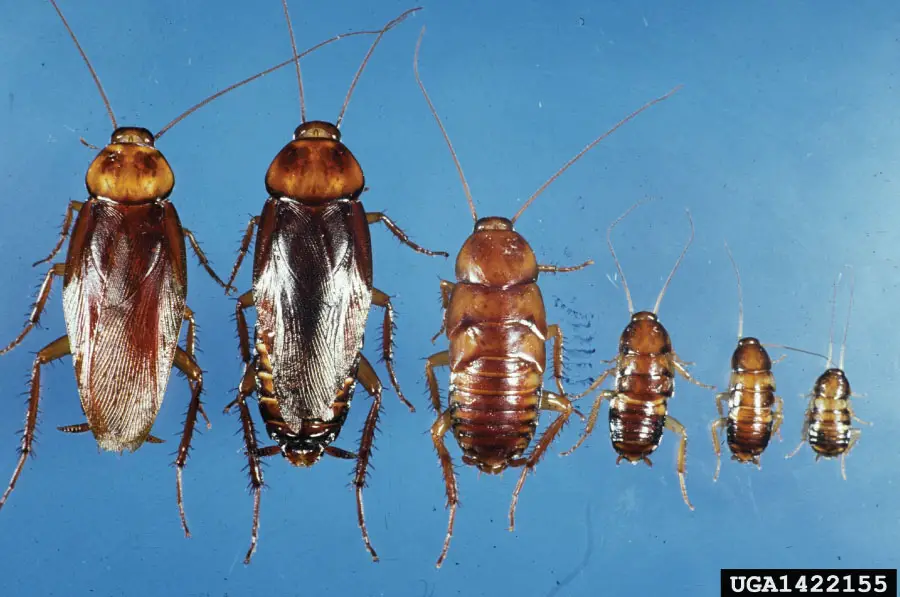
312,290
496,323
828,422
124,295
645,371
754,411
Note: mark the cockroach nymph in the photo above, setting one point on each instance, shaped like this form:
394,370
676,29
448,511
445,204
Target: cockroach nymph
496,324
645,371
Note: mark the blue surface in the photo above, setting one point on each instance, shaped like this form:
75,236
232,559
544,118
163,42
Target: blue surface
783,142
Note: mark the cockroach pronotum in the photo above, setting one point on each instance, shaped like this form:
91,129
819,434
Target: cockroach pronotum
754,411
124,295
828,422
645,371
496,324
312,290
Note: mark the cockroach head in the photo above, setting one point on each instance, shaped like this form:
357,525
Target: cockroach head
132,134
302,457
130,169
496,255
750,356
833,383
644,334
317,129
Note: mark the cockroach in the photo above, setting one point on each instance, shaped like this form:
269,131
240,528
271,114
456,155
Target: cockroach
755,412
496,324
645,371
828,422
312,290
124,295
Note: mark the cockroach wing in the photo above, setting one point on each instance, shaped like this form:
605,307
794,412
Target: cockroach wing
312,290
124,298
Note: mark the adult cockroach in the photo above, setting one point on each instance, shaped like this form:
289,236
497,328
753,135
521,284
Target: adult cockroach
124,293
755,412
496,323
312,290
828,423
645,371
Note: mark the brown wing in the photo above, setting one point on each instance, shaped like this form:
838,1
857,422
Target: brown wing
124,297
312,281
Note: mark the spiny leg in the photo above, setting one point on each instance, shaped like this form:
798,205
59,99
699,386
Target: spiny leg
555,333
254,468
242,252
556,403
555,269
58,269
438,430
720,398
592,419
369,380
204,261
53,351
446,291
382,300
854,437
673,425
439,359
717,444
595,384
190,347
804,434
187,365
680,367
857,419
376,216
64,231
244,302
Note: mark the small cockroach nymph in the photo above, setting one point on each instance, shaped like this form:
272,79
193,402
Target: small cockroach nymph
828,422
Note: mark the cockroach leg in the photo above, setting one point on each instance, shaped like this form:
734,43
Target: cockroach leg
854,437
802,441
244,302
549,401
204,261
717,443
680,367
555,333
595,384
438,430
382,300
339,453
720,398
247,387
555,269
245,246
152,439
373,217
592,418
778,417
857,419
53,351
369,380
673,425
187,365
64,231
446,291
58,269
439,359
190,347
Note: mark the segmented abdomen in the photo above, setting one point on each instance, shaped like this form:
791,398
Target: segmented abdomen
829,426
750,416
637,413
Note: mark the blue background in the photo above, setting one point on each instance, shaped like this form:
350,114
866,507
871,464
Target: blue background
783,141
